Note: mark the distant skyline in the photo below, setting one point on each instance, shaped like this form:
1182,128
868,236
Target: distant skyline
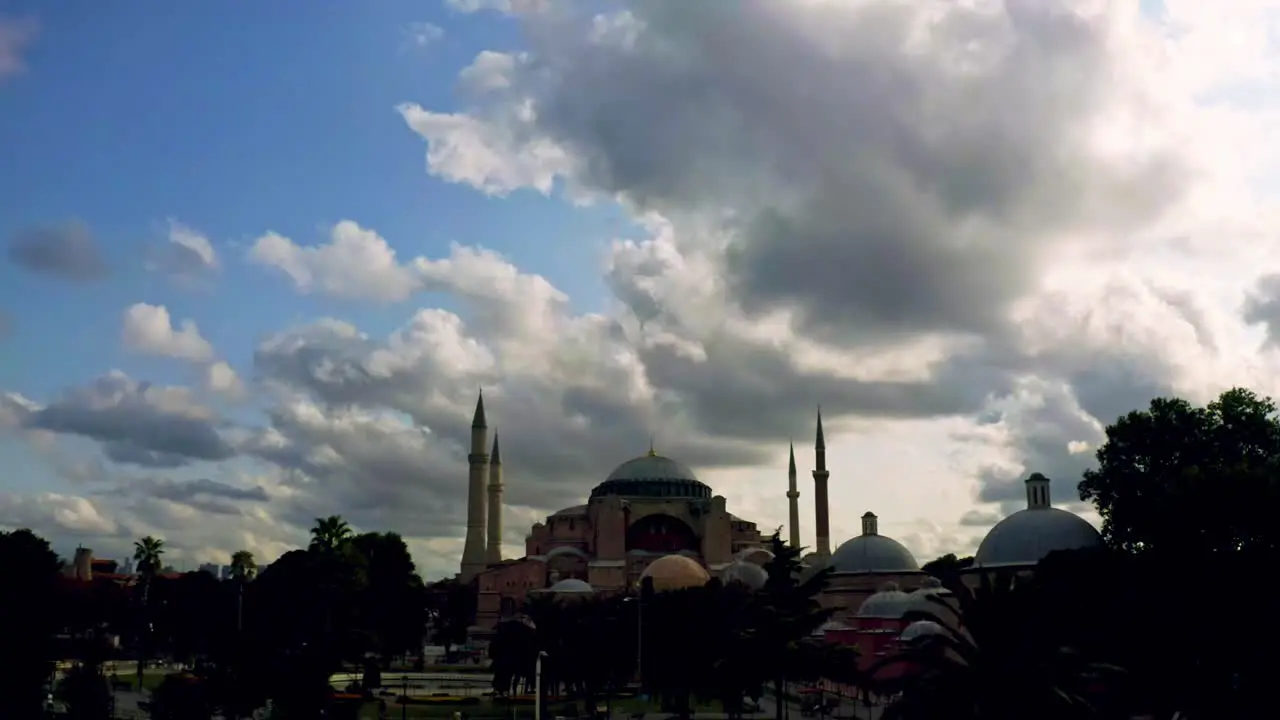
258,259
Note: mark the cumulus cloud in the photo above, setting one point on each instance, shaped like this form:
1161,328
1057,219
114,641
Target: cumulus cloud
976,233
148,329
187,255
66,251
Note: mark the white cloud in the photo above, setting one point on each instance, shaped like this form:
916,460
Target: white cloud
838,204
148,329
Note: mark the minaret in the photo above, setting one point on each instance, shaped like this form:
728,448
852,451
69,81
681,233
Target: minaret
793,499
473,555
822,519
493,547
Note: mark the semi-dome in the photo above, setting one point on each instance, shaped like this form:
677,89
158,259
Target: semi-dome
1027,536
890,603
745,573
653,476
675,572
571,585
872,552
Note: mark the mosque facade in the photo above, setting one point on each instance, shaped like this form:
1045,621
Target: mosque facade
652,517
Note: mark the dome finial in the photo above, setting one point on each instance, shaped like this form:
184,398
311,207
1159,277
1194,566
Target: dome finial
651,452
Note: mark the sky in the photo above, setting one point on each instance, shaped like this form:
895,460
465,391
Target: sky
259,258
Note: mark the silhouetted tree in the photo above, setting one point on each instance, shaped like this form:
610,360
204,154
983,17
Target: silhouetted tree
1190,481
28,603
948,569
147,553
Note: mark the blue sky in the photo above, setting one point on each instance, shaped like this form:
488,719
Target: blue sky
235,119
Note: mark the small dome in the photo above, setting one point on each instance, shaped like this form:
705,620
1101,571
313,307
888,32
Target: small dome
920,598
652,475
872,554
921,629
675,572
745,573
890,603
571,585
830,626
756,555
1027,536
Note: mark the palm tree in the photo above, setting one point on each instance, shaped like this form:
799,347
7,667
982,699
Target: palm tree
330,535
243,569
147,552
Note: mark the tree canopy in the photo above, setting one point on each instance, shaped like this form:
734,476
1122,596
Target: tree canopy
1192,480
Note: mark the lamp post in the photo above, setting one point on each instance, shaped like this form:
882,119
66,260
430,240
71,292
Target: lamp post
537,686
639,600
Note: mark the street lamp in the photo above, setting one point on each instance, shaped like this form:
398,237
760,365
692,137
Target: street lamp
639,600
537,686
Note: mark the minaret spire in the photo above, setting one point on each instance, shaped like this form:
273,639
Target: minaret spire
473,551
493,543
793,499
822,518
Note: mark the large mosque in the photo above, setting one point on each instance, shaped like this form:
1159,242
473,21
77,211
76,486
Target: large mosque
652,517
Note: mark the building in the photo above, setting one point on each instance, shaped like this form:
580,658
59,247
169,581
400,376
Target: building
649,507
213,569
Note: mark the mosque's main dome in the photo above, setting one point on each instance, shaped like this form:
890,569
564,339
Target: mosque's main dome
1027,536
653,476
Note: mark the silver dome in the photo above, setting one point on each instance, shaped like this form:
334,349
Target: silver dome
890,603
872,554
921,601
745,572
571,585
921,629
1027,536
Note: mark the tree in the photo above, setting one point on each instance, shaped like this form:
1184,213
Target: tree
1190,481
330,535
789,615
451,607
392,602
147,553
243,566
28,610
948,569
993,660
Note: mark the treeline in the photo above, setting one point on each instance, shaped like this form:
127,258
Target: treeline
347,600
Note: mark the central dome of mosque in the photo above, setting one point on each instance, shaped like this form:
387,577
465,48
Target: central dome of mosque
653,476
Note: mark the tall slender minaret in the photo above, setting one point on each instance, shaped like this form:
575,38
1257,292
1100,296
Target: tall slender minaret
793,499
473,555
822,518
493,547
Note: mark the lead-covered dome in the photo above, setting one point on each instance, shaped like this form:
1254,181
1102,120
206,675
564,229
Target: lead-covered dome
571,586
1027,536
653,476
744,572
890,603
872,552
675,572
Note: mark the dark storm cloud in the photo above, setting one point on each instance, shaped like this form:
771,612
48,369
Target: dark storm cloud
65,251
